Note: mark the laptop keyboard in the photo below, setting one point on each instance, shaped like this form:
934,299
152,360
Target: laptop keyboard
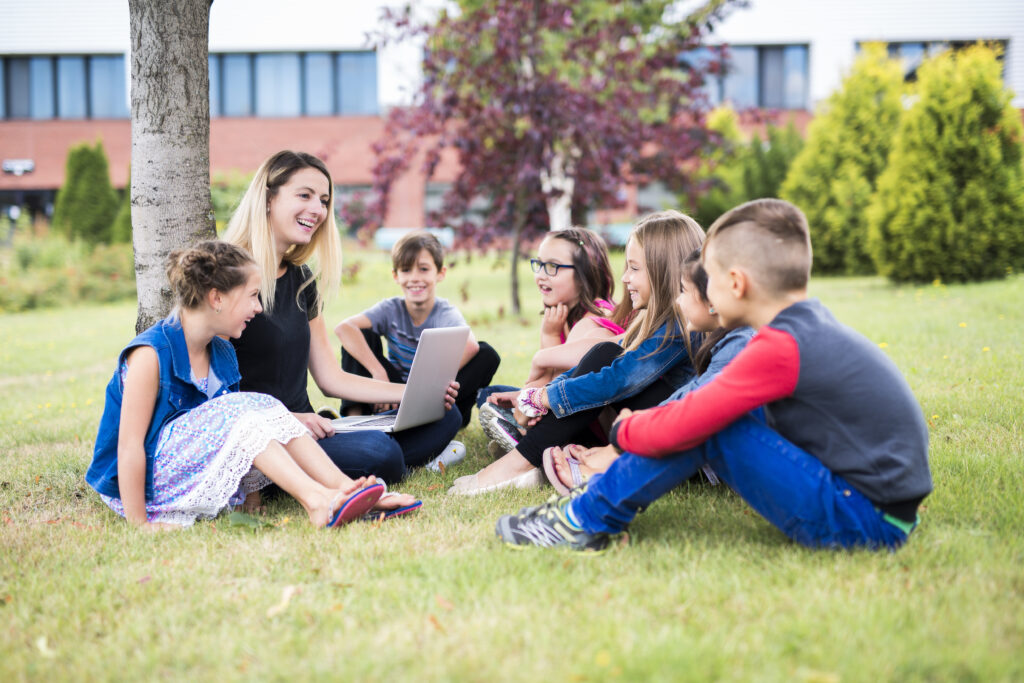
382,421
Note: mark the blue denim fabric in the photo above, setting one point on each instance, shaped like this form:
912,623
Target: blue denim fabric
177,395
628,374
389,455
727,348
788,487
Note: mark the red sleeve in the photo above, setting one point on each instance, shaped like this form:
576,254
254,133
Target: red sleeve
766,370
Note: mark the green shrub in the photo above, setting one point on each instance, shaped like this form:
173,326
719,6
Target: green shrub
746,171
834,176
121,230
52,271
226,190
87,203
950,205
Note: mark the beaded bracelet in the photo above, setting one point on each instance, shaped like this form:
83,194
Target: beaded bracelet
528,403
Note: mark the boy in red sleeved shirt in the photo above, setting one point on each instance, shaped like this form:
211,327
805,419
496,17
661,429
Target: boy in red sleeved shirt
811,423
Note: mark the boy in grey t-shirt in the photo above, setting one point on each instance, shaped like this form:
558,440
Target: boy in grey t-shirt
417,262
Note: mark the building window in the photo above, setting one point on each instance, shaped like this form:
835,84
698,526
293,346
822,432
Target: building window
766,76
66,87
293,84
913,53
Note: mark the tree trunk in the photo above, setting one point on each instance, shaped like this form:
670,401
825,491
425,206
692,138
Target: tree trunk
558,178
517,237
170,182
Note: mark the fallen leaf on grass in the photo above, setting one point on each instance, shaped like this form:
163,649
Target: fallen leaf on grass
237,518
444,468
44,648
444,604
433,487
435,623
284,522
286,596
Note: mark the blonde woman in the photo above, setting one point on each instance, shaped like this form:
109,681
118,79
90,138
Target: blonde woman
286,221
651,363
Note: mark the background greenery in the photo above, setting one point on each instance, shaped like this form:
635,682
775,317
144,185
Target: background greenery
706,590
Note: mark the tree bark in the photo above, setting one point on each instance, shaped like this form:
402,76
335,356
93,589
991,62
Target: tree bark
170,182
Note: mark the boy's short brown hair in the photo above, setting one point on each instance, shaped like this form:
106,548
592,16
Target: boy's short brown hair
409,246
768,237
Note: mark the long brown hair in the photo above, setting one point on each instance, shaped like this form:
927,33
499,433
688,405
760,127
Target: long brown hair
591,271
666,238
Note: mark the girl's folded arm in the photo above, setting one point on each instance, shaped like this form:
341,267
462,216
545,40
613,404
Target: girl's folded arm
141,387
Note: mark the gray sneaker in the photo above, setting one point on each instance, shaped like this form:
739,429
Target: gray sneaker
501,431
547,526
453,453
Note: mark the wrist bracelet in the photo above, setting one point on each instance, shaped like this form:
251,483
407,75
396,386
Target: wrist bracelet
528,404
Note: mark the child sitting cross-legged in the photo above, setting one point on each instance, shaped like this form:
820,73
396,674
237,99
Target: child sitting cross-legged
811,423
417,264
570,466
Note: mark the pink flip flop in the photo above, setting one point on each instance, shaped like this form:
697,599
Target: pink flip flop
552,474
358,504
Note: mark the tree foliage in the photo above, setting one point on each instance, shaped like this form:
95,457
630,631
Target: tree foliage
950,205
835,175
549,106
745,171
87,203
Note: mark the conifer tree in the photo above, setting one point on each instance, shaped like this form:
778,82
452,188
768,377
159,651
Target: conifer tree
87,203
834,176
950,205
122,228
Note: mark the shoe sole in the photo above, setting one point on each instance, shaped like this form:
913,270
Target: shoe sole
496,433
358,504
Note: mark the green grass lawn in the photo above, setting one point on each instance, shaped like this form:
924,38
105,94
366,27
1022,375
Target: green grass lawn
706,590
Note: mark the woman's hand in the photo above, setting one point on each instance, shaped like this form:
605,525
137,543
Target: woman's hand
318,426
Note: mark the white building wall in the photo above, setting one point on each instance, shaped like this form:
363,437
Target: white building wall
832,29
102,26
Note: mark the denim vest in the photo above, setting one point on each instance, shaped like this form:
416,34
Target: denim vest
177,396
628,374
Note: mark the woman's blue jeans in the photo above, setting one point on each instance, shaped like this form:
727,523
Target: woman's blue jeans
784,484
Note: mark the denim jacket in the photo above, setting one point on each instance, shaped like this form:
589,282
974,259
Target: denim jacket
628,374
721,355
177,395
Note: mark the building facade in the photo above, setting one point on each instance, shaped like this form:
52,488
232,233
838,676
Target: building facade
303,75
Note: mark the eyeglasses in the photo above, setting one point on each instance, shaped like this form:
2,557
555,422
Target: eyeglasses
550,269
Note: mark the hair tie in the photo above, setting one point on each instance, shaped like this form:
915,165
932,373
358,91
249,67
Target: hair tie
580,242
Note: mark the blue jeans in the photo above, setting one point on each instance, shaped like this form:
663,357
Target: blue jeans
787,486
366,452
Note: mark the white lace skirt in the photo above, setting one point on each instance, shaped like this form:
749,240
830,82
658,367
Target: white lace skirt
204,458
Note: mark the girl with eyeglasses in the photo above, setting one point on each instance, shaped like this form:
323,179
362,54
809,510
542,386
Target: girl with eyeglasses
651,362
575,280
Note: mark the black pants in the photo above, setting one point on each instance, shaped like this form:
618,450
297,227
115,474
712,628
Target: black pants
472,377
575,428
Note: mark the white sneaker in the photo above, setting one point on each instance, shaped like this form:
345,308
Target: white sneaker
453,453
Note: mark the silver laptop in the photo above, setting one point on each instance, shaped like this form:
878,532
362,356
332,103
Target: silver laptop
433,368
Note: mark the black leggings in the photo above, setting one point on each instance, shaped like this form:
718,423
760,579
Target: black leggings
575,428
472,377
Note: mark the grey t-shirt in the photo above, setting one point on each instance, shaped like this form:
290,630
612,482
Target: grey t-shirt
390,318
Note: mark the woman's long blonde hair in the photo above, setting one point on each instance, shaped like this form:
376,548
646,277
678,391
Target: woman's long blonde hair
250,229
666,238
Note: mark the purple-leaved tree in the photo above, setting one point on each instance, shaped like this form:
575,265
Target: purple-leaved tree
552,107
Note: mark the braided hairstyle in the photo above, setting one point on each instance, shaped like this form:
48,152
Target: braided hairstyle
208,265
